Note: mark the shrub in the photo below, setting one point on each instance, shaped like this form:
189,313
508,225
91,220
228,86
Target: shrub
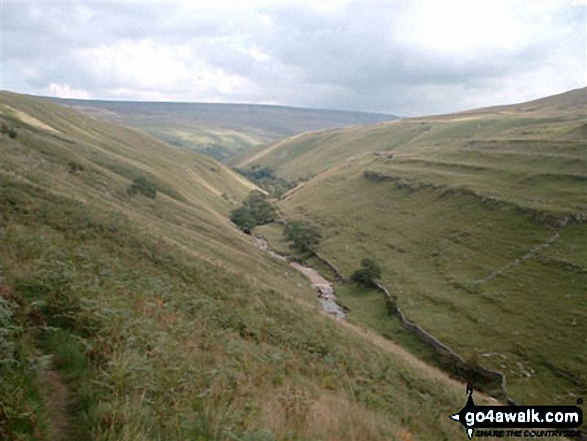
244,218
75,167
256,210
391,304
10,131
266,179
304,236
144,186
368,273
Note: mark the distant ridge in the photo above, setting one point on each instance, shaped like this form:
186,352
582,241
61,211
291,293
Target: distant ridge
220,130
265,116
310,154
570,101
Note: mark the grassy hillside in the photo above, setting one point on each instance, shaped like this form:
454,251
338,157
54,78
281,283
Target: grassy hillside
136,318
557,119
478,220
222,131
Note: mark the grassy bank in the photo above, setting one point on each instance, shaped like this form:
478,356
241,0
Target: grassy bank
158,319
478,222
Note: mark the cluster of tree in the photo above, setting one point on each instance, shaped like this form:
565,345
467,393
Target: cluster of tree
142,185
369,272
10,131
265,178
303,235
256,210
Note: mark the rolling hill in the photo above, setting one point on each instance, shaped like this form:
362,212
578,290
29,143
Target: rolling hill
557,118
222,131
478,220
129,316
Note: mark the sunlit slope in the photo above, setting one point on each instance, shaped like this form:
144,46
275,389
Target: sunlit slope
480,226
559,118
161,320
222,131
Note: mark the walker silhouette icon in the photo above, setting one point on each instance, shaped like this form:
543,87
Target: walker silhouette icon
556,417
469,407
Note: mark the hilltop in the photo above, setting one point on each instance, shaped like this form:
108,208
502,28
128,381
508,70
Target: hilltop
149,315
222,131
555,119
478,220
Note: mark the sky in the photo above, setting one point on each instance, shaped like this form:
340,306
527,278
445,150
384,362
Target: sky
404,57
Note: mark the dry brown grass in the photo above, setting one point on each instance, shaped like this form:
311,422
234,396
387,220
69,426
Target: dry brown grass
326,416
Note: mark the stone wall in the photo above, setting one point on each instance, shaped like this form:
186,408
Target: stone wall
481,374
331,266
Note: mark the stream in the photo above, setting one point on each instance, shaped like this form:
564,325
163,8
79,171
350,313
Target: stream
325,289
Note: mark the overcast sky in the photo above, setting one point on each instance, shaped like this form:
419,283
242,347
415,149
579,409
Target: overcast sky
399,57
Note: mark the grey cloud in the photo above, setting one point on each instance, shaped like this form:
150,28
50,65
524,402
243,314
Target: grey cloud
345,58
362,53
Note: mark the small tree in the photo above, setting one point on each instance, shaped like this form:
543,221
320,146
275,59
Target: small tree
244,218
304,236
142,185
368,273
256,210
259,206
266,179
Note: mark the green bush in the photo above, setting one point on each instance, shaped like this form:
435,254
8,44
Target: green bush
142,185
75,167
304,236
369,272
256,210
266,179
10,131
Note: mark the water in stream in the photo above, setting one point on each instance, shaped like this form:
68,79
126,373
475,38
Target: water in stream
325,289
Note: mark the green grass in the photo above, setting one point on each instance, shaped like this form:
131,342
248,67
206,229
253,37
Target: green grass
499,194
161,318
155,344
221,131
367,307
273,232
553,128
433,248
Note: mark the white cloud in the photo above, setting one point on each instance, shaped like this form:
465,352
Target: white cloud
143,63
404,57
461,26
65,91
148,70
257,54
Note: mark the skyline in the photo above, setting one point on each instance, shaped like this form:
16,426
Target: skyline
402,58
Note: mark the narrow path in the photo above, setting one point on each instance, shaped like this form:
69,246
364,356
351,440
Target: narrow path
56,397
